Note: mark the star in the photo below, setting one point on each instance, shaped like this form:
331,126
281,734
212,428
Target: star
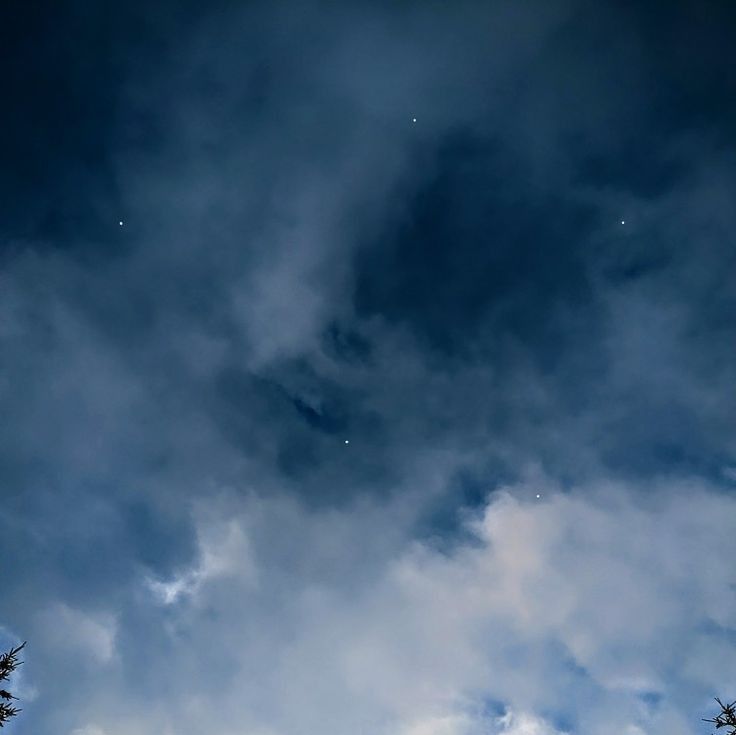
120,223
538,495
622,222
413,119
347,441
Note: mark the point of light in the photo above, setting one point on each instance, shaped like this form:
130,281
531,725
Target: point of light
622,222
538,495
120,223
347,441
413,119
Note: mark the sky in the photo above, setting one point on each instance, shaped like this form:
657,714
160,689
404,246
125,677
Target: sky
368,367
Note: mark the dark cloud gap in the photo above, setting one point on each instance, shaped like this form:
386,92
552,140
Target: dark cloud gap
161,542
637,166
346,344
61,90
444,524
687,44
327,418
479,245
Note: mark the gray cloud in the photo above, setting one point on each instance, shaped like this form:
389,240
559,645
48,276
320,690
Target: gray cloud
300,265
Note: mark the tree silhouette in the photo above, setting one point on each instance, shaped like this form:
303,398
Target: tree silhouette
8,664
727,718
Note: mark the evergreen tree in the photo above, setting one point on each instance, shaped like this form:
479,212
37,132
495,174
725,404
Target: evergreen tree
8,664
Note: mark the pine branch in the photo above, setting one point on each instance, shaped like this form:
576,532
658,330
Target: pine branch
6,712
727,717
8,664
9,661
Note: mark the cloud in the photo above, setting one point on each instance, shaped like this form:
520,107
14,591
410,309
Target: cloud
223,552
525,724
75,631
574,608
302,264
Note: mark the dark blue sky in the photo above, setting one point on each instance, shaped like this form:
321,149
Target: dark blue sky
406,384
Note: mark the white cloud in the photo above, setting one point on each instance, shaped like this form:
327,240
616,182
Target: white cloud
522,723
607,581
91,633
468,723
224,552
450,724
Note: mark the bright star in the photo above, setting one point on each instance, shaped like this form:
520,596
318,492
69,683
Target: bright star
347,441
120,223
413,119
622,222
538,495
